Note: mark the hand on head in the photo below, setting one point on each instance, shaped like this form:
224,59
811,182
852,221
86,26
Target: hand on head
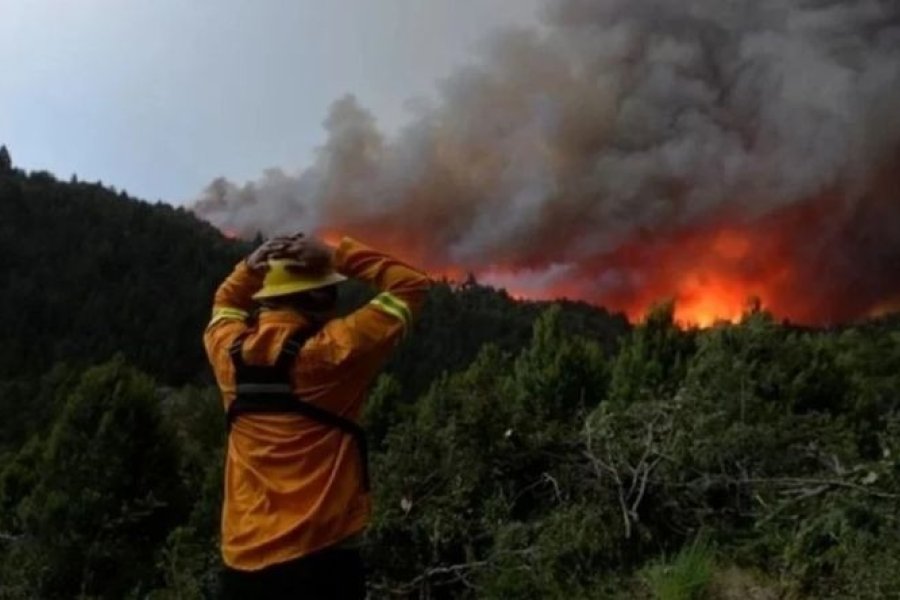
309,253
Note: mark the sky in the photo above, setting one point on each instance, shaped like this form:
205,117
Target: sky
160,97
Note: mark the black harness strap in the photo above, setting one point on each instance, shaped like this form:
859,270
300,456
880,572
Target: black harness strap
266,389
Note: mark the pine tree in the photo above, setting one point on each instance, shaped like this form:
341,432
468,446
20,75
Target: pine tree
5,160
106,491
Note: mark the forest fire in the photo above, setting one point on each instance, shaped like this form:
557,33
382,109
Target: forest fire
710,275
630,153
801,262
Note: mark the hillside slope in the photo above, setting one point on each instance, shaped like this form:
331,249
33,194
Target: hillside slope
89,273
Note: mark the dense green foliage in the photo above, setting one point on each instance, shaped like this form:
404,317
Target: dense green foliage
520,450
89,273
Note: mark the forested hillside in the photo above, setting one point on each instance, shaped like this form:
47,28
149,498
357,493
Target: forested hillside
520,450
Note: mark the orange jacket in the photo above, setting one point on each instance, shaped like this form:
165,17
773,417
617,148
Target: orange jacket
293,485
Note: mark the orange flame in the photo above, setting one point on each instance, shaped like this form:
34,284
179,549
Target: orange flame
711,275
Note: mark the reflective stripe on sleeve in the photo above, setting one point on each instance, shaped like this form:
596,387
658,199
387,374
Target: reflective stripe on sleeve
393,306
227,313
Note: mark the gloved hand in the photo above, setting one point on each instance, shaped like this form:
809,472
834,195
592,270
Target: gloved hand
275,247
311,255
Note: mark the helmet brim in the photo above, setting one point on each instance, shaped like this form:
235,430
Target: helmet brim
299,285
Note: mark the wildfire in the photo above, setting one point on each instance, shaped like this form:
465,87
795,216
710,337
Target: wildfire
713,272
712,276
622,173
703,301
702,273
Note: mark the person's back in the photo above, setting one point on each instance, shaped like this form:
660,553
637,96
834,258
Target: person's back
296,480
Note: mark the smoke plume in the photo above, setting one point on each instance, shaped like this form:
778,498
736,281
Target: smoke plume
630,151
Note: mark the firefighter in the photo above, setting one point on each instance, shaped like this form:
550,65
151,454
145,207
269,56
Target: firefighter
293,380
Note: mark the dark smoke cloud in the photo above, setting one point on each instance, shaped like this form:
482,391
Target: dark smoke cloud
622,121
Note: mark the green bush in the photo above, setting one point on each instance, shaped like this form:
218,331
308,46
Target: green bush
686,577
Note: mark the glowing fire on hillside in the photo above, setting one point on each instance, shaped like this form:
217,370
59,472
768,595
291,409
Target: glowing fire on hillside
803,263
712,273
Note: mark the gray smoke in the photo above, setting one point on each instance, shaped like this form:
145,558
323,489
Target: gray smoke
618,120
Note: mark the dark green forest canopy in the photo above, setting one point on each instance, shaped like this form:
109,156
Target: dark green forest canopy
519,450
90,274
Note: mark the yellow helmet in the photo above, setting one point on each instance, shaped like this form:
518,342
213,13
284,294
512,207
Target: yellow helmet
282,280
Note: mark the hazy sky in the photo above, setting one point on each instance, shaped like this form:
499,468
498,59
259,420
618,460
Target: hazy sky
158,97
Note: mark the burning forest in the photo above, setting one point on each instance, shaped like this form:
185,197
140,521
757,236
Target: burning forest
628,152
